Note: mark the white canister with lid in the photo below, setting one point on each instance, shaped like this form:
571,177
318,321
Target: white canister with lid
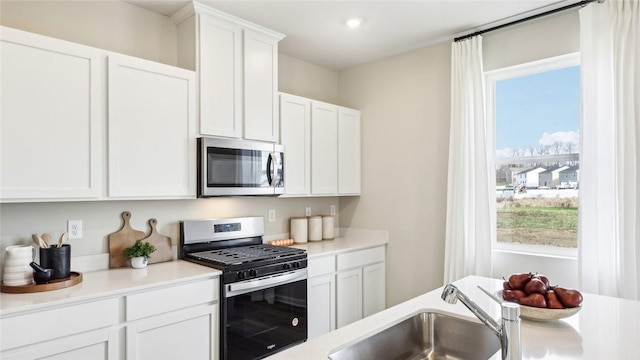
327,227
298,230
315,228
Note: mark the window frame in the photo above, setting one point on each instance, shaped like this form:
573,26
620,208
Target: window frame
520,70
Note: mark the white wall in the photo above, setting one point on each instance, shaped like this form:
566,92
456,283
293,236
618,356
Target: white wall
304,79
405,135
111,25
120,27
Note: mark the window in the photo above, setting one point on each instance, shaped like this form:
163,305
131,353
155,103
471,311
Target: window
535,111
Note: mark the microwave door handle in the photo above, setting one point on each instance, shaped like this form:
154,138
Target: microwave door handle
271,169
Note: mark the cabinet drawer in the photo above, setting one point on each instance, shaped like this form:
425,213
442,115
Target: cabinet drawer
169,299
321,266
360,258
41,326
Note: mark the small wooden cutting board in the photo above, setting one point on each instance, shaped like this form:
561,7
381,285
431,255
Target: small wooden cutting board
162,244
120,240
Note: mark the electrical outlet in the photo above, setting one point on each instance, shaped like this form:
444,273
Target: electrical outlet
272,215
307,211
333,210
74,228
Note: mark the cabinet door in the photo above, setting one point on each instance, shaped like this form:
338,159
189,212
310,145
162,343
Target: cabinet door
220,67
324,149
321,305
295,135
348,151
186,334
99,344
261,121
151,130
349,297
373,289
51,96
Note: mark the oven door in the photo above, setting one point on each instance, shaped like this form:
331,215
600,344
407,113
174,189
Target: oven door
239,167
263,316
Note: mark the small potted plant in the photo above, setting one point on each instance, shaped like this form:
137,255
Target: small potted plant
139,253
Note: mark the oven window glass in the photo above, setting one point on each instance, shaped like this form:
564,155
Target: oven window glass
236,168
263,322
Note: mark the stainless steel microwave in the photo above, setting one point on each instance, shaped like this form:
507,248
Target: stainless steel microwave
231,167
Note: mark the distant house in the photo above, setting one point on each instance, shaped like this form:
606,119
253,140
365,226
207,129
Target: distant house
551,177
570,178
529,177
511,175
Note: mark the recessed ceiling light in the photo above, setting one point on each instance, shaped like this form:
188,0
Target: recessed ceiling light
354,22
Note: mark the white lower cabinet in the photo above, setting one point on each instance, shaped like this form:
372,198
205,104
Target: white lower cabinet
170,322
187,334
345,288
182,325
321,296
373,289
349,300
85,331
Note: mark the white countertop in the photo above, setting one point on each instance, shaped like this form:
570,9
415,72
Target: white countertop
106,283
351,240
605,327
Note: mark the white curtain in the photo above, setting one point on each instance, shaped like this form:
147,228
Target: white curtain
471,181
609,248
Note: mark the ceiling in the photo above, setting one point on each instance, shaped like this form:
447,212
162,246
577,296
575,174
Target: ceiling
316,31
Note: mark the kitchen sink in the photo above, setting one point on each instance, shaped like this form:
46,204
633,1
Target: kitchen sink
428,335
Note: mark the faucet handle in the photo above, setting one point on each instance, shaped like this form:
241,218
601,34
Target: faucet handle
495,298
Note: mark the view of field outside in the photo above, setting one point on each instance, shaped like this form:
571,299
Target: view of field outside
537,158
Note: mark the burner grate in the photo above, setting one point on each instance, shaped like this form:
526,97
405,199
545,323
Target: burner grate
235,255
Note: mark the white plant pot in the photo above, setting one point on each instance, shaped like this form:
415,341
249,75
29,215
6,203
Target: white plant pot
139,262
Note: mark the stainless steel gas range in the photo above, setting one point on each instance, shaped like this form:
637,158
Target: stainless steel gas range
263,307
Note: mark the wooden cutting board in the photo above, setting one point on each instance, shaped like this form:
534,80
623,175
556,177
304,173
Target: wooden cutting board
120,240
162,243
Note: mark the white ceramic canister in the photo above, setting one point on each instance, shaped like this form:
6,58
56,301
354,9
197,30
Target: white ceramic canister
315,228
298,230
17,271
327,227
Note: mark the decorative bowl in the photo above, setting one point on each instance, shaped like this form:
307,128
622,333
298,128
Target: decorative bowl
543,314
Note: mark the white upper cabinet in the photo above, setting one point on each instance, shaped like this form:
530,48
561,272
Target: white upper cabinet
151,130
324,149
295,135
66,108
237,66
349,154
50,136
220,67
260,87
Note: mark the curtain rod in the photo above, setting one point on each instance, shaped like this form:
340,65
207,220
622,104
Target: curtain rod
581,3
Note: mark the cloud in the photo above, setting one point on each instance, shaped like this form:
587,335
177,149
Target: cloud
560,136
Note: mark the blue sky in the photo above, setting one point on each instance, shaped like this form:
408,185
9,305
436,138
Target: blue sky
530,106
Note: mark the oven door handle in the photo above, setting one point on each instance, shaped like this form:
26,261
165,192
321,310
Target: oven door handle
266,282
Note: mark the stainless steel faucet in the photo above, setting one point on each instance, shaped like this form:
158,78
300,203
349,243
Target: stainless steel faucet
508,332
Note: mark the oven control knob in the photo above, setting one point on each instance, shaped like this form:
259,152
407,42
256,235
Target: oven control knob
252,273
241,275
296,265
286,266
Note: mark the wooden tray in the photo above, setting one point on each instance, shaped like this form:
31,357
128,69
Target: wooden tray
73,279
